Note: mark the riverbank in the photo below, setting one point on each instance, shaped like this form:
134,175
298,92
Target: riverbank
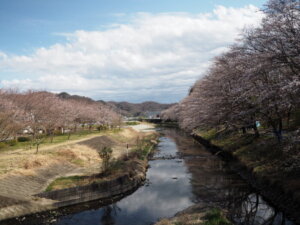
181,173
272,168
197,214
21,190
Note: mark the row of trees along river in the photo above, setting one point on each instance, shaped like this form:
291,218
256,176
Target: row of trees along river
257,79
41,114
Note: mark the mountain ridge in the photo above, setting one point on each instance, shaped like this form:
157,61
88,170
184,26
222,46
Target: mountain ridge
125,108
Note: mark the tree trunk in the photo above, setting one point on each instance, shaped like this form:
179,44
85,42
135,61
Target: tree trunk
32,139
244,130
37,147
256,130
52,136
288,120
278,131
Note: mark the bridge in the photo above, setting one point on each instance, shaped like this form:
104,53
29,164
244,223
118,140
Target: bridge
154,120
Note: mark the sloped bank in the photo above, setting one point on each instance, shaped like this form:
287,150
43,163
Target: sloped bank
197,214
104,191
275,192
103,188
100,189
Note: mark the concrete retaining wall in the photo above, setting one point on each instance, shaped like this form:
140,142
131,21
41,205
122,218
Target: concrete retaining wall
94,191
98,190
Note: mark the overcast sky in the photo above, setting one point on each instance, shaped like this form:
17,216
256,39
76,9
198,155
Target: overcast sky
122,50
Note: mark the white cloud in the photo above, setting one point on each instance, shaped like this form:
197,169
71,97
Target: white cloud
155,56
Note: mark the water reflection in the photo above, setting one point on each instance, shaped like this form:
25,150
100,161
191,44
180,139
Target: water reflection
193,175
254,210
168,192
214,184
109,213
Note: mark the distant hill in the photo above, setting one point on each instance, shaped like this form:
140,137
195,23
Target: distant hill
125,108
138,109
66,95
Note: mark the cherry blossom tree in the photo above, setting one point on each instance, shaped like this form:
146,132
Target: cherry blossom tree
9,117
41,113
257,79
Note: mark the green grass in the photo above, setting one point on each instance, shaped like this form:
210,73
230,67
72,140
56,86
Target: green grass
216,217
5,147
210,217
57,139
178,223
143,151
145,147
132,123
208,134
115,166
78,162
295,119
233,141
66,182
262,155
259,154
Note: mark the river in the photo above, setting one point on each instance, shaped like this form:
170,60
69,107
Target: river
182,173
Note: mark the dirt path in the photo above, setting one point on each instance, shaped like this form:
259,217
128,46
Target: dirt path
51,146
144,127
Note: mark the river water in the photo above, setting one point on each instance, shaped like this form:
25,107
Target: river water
181,174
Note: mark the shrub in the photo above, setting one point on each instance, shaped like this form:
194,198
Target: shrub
2,145
57,132
102,127
12,142
23,139
143,152
105,154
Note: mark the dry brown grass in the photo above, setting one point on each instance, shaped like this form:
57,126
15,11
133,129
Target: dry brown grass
82,153
87,155
22,172
66,153
37,161
129,133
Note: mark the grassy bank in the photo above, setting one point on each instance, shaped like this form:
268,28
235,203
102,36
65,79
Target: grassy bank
264,155
79,150
272,167
208,217
24,142
116,167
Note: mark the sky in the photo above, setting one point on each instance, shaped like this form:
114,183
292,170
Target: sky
120,50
